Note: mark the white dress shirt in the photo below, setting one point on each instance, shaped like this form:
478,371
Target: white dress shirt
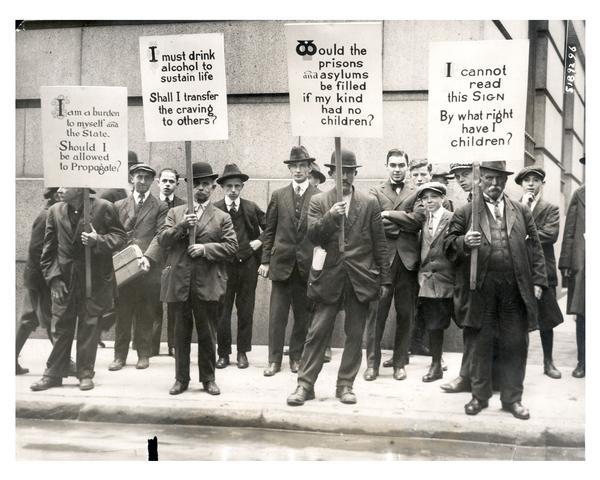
303,186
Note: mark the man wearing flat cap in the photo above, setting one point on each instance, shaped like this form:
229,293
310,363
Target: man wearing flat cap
547,221
510,277
242,272
572,267
286,258
142,215
348,280
402,218
36,310
196,275
436,275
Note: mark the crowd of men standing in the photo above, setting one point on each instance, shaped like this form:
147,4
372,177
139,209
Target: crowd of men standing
401,241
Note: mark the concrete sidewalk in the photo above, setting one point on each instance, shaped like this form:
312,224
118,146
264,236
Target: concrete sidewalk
408,408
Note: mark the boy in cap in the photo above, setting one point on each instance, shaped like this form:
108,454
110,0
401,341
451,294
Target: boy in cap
286,259
195,277
142,215
436,274
242,272
547,221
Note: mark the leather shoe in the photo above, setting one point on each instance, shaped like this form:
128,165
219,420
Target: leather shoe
294,365
579,371
211,388
327,355
399,373
459,384
272,369
171,351
435,373
370,374
300,396
388,363
178,387
475,406
86,384
551,370
222,362
19,370
345,394
517,409
45,383
142,363
116,364
242,360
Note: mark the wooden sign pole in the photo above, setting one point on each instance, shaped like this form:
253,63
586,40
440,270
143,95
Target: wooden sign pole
88,252
338,187
190,187
475,201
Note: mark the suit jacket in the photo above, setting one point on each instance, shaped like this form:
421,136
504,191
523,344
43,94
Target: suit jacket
528,266
547,221
436,272
32,275
406,218
154,252
572,252
254,218
206,276
63,254
285,243
365,257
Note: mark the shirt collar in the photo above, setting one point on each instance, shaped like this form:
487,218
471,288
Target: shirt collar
228,202
136,195
303,186
204,205
491,202
164,197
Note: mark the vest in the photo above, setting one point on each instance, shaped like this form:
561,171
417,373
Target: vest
500,257
239,225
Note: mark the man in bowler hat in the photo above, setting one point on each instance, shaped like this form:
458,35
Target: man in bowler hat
510,277
196,275
242,272
347,280
286,258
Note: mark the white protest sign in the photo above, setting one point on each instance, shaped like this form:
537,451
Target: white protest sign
334,74
84,136
183,87
477,100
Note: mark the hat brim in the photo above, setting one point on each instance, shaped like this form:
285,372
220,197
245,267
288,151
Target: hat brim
142,169
241,176
333,165
309,160
519,178
420,193
319,175
196,177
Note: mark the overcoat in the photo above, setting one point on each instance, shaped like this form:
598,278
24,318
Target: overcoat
403,227
365,257
528,267
205,276
284,240
572,252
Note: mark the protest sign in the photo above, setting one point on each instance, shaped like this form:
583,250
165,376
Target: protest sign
84,136
183,87
334,74
477,100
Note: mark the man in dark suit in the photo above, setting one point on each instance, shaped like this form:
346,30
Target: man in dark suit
510,277
196,275
63,266
286,258
547,221
572,266
142,215
242,273
168,180
37,306
347,280
402,219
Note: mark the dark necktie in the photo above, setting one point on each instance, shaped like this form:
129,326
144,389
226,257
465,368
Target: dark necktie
141,201
298,201
168,202
397,187
430,224
232,209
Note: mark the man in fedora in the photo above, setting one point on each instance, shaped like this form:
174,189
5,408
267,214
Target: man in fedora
510,277
196,275
142,215
286,259
547,221
347,280
242,272
403,218
572,266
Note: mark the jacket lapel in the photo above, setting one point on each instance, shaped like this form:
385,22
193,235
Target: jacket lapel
147,206
509,211
388,191
483,220
405,192
442,225
207,215
288,199
355,208
65,221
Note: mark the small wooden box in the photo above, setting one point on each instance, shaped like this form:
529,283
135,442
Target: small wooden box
126,264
